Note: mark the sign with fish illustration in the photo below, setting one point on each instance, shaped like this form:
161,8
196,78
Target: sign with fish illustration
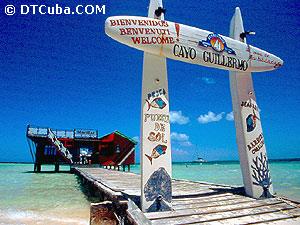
249,134
254,143
251,121
156,103
251,125
156,165
156,149
157,152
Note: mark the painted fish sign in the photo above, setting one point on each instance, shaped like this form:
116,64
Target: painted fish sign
255,150
156,187
189,44
250,139
157,152
156,103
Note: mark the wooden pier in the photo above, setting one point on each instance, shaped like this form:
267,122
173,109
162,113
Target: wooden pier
193,202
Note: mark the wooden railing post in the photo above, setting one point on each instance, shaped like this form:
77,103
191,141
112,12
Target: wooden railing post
102,214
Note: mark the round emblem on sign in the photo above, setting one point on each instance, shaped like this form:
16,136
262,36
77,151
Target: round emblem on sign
217,44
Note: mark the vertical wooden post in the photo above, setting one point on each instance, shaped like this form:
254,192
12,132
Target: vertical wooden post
57,167
102,214
249,135
156,168
38,167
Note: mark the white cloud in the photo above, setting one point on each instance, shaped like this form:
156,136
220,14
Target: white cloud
181,139
229,116
210,117
179,152
186,143
177,117
136,138
208,80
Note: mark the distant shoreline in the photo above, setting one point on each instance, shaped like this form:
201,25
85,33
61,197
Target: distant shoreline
237,161
208,162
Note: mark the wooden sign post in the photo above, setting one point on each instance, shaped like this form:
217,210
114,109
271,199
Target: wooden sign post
156,193
250,138
103,214
159,39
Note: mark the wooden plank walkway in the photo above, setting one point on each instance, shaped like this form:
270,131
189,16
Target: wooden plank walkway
194,202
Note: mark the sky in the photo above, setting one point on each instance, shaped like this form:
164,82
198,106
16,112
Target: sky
62,71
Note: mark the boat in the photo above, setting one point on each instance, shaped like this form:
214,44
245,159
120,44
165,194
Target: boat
199,160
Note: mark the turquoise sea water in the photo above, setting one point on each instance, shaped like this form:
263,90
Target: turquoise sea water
40,198
57,198
285,175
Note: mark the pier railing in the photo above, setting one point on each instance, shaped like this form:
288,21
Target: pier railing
34,131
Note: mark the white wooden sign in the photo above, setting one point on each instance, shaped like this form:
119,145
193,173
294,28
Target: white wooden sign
189,44
156,163
250,138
